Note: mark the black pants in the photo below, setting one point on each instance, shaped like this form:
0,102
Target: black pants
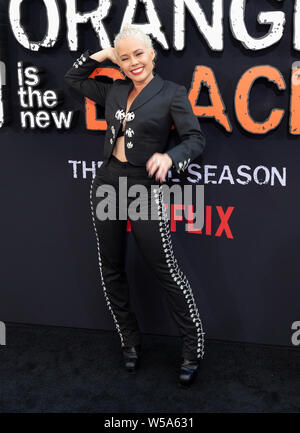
153,238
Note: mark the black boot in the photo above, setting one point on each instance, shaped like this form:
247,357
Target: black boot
131,356
188,372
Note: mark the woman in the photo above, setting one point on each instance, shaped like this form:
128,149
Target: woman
140,110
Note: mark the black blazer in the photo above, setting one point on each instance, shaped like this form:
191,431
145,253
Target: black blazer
151,115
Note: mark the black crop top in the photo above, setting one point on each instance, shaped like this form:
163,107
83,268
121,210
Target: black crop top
120,133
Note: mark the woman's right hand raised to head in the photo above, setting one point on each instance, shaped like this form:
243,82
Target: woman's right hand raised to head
112,55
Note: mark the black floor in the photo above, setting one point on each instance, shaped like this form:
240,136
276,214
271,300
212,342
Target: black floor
54,369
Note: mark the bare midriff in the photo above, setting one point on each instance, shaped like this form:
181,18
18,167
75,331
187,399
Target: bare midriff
119,148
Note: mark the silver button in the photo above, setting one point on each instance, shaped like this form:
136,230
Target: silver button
129,132
120,114
129,145
129,116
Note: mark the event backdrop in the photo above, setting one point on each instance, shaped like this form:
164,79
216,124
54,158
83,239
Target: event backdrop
239,63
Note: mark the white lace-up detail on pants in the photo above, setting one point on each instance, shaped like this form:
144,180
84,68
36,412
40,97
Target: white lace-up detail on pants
177,275
100,266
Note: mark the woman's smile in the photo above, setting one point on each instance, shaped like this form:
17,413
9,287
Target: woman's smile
137,71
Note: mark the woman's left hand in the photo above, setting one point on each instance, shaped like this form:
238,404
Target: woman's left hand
161,162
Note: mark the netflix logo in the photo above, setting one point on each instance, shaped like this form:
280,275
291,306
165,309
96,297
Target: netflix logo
222,228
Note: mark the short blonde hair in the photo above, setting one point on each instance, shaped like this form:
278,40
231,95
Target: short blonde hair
130,31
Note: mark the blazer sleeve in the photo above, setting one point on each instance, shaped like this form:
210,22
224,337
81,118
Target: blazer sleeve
77,78
188,128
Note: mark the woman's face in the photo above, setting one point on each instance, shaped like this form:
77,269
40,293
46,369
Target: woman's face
136,60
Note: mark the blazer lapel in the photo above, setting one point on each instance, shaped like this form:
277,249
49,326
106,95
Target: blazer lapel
146,93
